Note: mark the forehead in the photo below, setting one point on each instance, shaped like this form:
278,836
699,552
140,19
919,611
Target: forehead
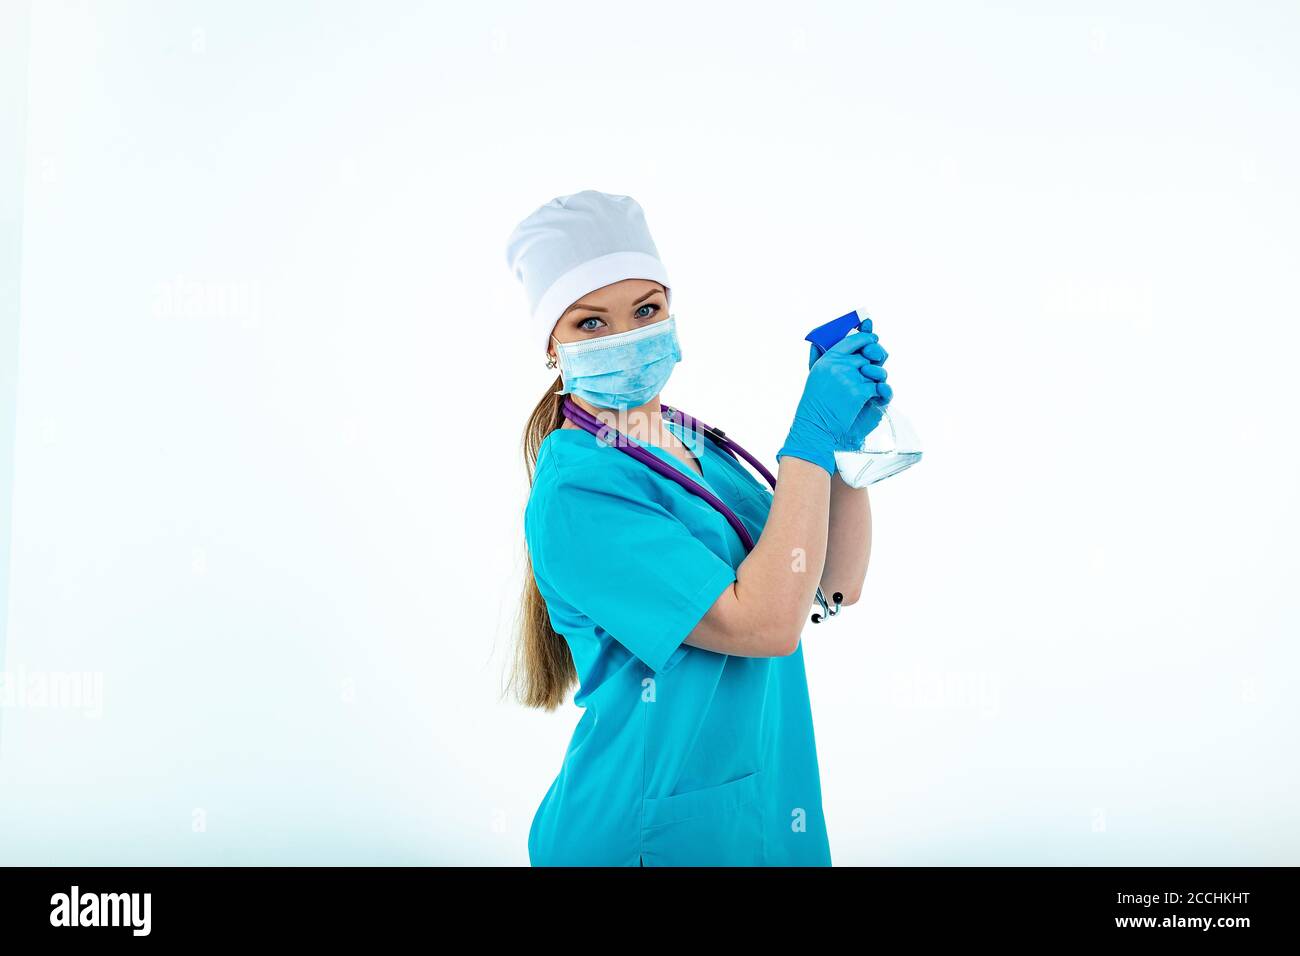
620,291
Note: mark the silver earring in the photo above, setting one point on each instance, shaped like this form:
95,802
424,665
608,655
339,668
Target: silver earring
550,361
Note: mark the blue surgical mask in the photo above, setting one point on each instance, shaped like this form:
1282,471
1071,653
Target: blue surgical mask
621,370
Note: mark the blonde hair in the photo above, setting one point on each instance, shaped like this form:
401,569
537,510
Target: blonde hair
543,669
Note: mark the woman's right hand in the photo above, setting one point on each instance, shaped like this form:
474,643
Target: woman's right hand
839,384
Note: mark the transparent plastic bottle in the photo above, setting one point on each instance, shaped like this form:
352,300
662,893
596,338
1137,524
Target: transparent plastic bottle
891,447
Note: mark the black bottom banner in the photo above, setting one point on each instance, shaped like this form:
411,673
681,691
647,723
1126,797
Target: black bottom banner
93,906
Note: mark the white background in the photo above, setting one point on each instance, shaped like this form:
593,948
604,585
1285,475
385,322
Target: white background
273,373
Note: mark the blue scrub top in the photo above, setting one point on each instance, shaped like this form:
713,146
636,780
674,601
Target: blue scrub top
682,756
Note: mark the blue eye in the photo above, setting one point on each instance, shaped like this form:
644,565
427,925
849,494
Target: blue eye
582,324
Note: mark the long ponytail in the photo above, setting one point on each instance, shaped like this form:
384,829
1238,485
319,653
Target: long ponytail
543,669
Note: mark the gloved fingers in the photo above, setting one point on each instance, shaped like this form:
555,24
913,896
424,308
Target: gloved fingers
865,325
853,343
873,372
884,393
863,391
876,354
851,360
815,351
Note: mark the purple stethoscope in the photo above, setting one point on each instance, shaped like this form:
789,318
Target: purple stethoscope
610,435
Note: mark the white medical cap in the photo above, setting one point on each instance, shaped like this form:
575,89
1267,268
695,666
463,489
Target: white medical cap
575,244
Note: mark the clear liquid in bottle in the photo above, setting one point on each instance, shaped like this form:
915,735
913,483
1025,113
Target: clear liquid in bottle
890,447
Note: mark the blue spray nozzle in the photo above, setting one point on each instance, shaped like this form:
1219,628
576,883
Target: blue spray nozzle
824,336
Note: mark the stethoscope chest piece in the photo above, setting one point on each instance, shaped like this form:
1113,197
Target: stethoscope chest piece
837,597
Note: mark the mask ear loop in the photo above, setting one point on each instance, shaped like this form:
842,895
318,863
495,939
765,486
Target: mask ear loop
554,363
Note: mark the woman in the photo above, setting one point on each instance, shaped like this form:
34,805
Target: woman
696,743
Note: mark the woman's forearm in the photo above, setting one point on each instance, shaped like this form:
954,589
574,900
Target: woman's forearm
848,546
791,550
779,578
762,614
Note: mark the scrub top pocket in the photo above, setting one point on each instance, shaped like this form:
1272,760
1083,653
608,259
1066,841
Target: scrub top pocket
722,825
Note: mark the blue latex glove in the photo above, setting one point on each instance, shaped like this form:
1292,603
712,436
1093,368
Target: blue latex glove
873,412
871,415
840,384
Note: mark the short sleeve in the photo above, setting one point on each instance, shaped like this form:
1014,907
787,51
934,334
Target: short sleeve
628,564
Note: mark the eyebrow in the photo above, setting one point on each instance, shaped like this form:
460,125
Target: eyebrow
596,308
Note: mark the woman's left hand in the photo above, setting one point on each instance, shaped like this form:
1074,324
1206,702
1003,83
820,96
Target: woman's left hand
874,410
868,418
